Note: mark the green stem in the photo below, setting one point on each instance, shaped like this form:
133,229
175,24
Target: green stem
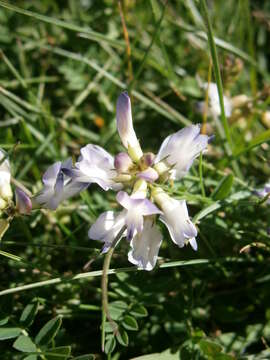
228,144
104,289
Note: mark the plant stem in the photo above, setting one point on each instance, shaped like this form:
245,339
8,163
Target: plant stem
104,290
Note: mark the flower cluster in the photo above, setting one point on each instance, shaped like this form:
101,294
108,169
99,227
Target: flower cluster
138,179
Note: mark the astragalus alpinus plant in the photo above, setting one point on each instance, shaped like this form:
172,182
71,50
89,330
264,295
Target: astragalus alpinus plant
138,179
140,182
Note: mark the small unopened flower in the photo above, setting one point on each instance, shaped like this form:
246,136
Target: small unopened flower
5,176
57,186
23,202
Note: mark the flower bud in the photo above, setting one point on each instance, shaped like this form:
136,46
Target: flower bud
266,118
239,101
147,159
125,127
23,202
122,162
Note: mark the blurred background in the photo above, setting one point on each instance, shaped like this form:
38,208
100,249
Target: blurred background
63,65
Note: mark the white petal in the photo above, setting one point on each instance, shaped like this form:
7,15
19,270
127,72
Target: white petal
193,244
95,165
145,246
180,149
178,223
49,177
107,227
5,176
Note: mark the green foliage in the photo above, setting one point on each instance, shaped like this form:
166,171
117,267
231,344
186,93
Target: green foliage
63,65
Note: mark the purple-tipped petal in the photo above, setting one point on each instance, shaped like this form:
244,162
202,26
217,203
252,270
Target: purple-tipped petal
51,174
125,127
180,149
95,165
193,244
23,202
58,186
124,121
148,159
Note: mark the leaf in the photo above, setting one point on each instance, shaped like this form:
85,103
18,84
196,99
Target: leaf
30,357
110,344
61,352
165,355
48,331
222,356
29,313
122,337
210,348
4,321
117,308
85,357
223,188
138,311
258,140
24,344
130,323
9,333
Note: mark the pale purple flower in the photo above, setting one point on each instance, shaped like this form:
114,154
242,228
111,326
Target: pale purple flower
107,227
179,150
145,246
141,173
5,176
23,202
57,186
136,208
125,127
95,165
